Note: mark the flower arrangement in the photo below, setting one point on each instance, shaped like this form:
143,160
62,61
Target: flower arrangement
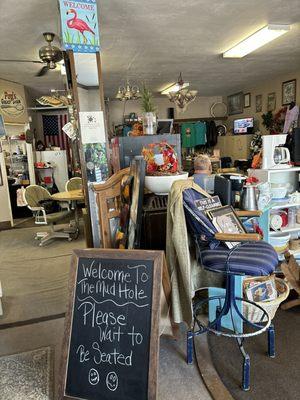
161,159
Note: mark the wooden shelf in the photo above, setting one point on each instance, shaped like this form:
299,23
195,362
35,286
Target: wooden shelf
178,121
47,108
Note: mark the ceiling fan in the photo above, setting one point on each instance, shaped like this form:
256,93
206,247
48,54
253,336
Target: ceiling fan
49,55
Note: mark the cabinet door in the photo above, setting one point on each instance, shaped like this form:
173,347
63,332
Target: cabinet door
241,146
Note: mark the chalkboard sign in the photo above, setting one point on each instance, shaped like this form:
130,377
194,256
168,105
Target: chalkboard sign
110,349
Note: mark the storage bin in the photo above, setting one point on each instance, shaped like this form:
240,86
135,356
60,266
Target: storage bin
254,314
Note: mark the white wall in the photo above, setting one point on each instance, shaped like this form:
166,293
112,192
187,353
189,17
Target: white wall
200,108
5,209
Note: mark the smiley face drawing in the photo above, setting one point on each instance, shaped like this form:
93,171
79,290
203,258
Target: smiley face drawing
93,377
112,381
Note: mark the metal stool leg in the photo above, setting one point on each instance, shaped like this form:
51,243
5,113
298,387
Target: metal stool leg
246,366
190,347
271,341
246,373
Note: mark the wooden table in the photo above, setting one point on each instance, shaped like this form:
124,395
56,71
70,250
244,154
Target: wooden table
73,196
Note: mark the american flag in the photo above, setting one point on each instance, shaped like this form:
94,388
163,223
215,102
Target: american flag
53,133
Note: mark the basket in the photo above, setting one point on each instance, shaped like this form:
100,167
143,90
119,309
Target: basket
254,314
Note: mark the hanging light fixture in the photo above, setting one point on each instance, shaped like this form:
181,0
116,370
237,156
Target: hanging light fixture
181,96
128,92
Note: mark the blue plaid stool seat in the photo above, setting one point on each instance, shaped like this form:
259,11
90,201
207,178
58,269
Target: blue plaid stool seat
247,261
254,258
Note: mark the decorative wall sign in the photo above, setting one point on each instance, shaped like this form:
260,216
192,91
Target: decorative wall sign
288,92
79,21
258,103
235,103
271,102
110,349
11,103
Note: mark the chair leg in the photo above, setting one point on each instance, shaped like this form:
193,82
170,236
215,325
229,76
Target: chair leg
271,341
246,366
189,347
246,373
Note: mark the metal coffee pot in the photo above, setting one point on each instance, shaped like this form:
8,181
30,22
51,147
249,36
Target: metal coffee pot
249,198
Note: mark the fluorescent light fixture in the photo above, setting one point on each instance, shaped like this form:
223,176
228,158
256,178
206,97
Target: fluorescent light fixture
258,39
175,88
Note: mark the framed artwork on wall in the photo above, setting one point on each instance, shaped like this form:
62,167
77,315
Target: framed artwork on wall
235,103
2,127
258,103
288,92
271,103
247,100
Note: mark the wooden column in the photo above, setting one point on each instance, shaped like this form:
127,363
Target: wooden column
102,107
73,80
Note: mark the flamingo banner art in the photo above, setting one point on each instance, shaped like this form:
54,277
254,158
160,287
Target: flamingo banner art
80,29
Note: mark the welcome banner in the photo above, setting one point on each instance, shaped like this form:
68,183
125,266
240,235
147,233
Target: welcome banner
79,26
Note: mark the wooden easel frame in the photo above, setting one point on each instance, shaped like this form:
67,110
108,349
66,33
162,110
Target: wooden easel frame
158,264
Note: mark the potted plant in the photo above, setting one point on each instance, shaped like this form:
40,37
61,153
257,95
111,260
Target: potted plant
162,167
268,121
149,110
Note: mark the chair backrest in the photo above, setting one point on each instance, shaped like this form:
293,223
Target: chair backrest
108,196
73,184
198,224
34,194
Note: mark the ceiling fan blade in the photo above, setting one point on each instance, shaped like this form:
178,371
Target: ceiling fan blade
24,61
42,71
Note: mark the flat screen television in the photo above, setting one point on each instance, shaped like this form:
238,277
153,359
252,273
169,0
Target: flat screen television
164,126
243,126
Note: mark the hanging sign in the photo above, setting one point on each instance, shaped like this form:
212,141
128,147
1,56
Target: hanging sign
111,338
92,127
11,103
80,30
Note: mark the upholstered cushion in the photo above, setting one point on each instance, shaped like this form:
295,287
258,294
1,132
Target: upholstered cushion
252,258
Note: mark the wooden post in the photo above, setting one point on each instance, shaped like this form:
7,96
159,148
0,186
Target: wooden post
102,107
74,85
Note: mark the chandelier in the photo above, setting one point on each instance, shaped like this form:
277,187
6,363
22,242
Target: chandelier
128,92
182,96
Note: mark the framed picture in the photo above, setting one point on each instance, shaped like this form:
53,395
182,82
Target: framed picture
258,103
271,103
235,103
137,170
288,92
2,127
226,221
247,100
262,291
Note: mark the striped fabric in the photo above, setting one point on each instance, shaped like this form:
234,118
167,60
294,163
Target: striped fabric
250,258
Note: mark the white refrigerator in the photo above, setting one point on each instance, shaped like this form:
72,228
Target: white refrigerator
58,159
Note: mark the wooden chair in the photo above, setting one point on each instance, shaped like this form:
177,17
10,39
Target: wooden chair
108,201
